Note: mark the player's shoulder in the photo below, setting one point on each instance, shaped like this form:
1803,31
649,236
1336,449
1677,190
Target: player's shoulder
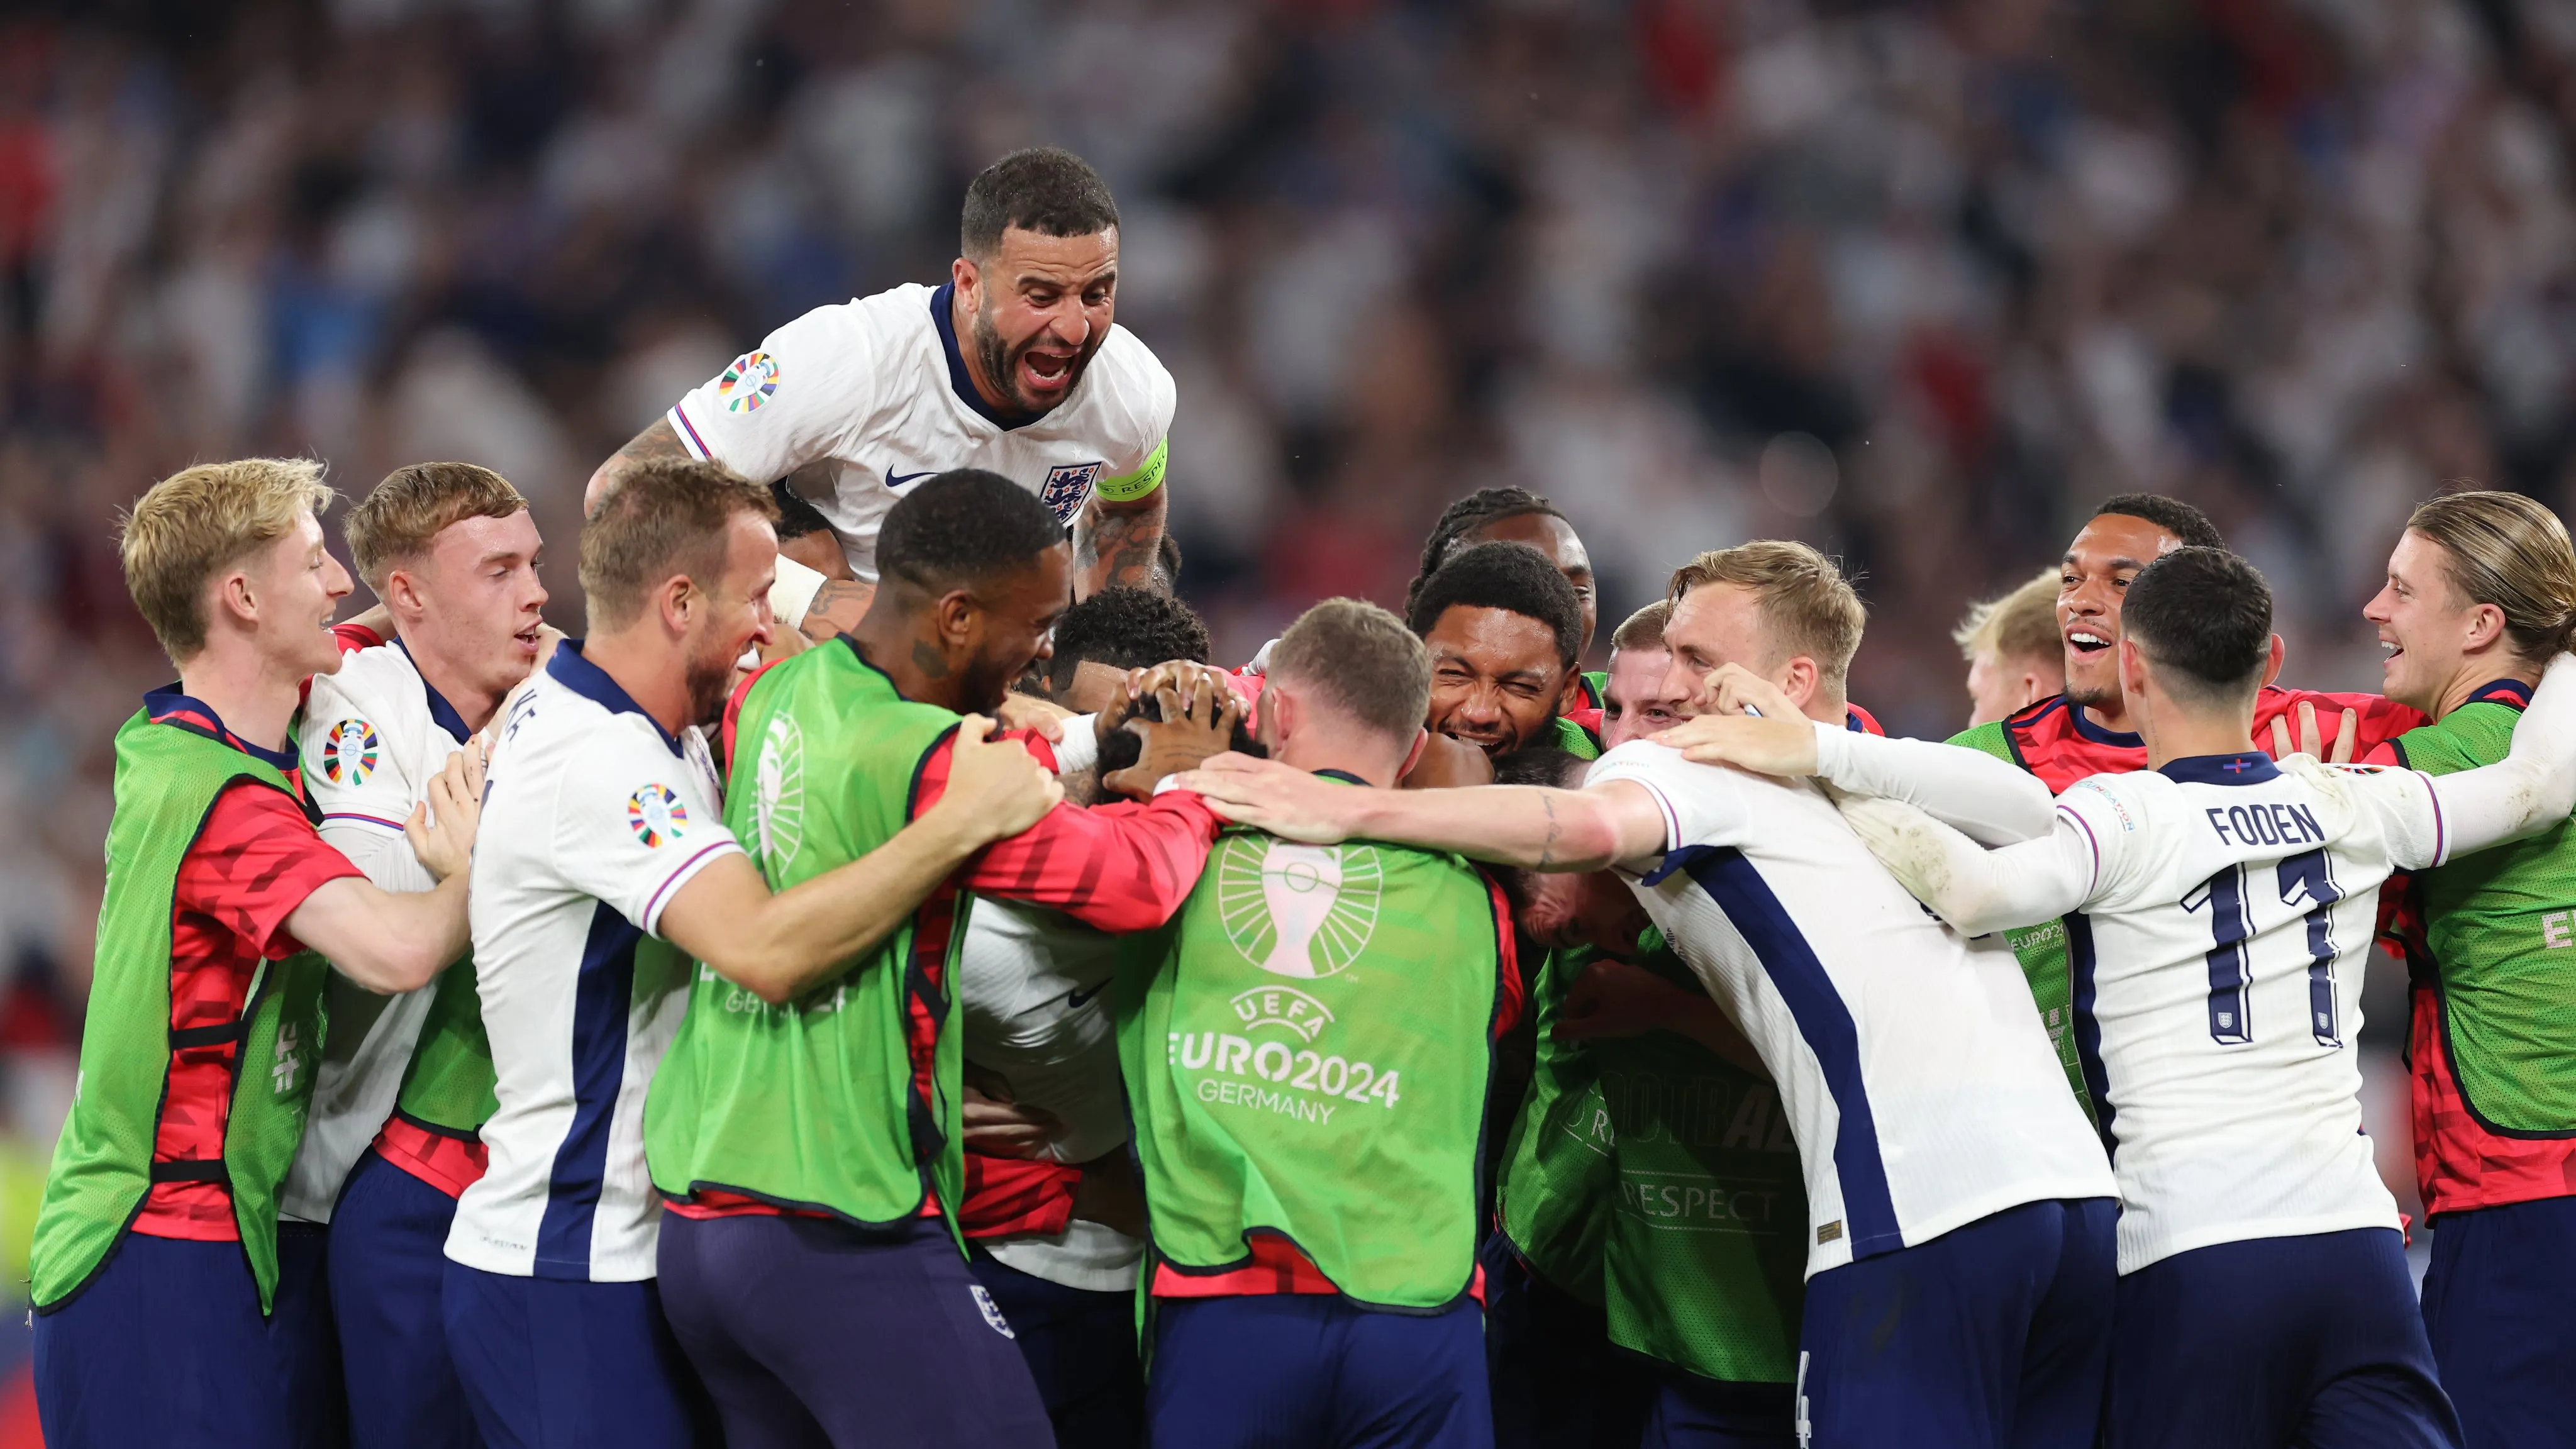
2125,799
1134,390
2479,732
896,312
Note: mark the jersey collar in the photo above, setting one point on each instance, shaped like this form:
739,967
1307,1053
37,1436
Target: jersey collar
591,682
2250,768
441,713
1345,776
168,706
941,316
2085,726
2511,692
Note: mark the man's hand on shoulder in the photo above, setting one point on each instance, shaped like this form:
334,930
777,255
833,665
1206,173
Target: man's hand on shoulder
441,828
1764,745
996,788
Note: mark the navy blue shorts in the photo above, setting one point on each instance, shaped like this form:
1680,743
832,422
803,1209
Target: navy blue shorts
388,1258
1295,1371
1691,1412
164,1346
2312,1340
1992,1334
810,1333
1081,1349
1556,1380
2496,1306
548,1364
304,1343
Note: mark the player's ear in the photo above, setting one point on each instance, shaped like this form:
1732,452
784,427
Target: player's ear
2133,668
2486,625
1798,680
967,276
955,617
2272,662
1413,757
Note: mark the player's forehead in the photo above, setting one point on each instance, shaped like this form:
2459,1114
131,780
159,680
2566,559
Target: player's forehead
1492,641
471,540
2112,540
1024,256
1545,532
1042,589
1718,623
1637,676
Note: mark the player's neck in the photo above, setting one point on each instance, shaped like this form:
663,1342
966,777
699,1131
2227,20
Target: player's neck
2476,671
1369,761
2173,732
649,667
253,696
899,644
448,679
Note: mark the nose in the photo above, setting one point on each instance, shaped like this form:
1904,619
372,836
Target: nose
2379,610
1482,705
335,581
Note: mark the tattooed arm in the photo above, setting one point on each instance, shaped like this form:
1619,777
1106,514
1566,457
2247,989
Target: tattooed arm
838,607
1118,543
654,443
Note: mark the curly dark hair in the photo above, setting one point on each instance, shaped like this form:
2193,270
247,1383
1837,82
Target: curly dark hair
1513,577
1468,514
1125,628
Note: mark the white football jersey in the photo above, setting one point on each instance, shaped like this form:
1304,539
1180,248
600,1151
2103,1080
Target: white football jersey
1035,987
373,736
876,385
1919,1082
2217,970
593,818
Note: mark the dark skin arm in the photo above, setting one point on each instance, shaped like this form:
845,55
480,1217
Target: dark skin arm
1116,545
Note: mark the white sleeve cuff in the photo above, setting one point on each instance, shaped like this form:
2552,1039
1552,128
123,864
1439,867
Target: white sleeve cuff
707,855
794,591
1079,750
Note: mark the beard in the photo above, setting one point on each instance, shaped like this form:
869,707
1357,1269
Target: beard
2093,696
1002,361
708,681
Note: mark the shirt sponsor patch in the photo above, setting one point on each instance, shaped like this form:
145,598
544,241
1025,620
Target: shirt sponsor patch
1067,485
656,815
1831,1232
349,752
750,381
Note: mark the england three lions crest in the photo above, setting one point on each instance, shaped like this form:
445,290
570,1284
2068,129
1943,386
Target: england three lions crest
1067,485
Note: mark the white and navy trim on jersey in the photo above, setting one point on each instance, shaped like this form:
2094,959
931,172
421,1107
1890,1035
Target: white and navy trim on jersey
594,818
1919,1082
372,736
878,388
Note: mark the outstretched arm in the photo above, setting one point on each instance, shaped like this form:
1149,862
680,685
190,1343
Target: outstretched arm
658,441
2528,791
781,946
1523,825
1978,891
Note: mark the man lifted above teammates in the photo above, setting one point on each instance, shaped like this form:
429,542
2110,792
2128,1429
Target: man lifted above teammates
451,550
2015,657
608,860
1016,365
2481,591
2086,730
1950,1176
2264,1297
155,1257
809,1136
1306,1048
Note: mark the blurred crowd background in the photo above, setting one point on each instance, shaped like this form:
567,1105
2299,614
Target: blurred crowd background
1915,281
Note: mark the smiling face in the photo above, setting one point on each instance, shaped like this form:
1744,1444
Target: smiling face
1554,537
2425,626
297,587
1041,305
2093,579
734,615
1497,681
1639,700
478,600
1013,628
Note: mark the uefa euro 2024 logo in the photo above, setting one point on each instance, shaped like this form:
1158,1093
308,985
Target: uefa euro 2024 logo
1298,910
778,795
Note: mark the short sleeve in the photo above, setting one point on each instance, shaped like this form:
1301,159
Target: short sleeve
1143,443
1702,804
633,824
796,398
2109,825
350,770
254,863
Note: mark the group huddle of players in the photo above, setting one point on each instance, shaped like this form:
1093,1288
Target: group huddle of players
885,985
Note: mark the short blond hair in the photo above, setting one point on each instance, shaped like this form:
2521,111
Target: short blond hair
662,518
194,524
2020,625
1643,629
1363,660
2510,551
397,519
1810,607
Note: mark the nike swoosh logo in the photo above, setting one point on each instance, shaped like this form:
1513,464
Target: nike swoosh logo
894,481
1076,1000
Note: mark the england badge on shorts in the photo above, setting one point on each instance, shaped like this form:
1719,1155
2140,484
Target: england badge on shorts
1067,484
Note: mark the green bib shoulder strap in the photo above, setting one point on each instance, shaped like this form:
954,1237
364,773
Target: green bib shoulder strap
167,780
